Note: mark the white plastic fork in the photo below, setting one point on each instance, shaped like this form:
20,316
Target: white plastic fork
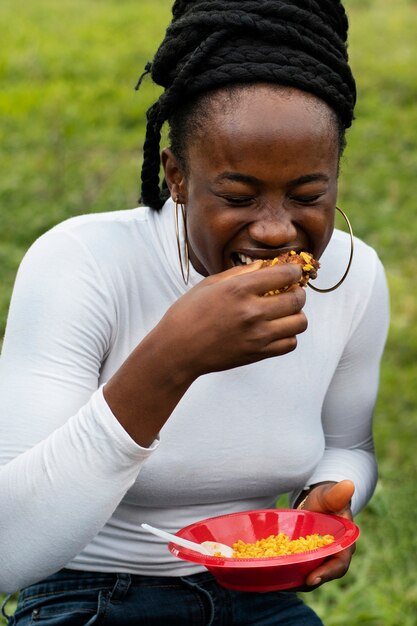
206,547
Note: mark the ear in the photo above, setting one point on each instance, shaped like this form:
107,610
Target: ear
174,175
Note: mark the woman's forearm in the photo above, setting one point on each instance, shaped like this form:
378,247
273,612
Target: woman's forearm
57,496
146,389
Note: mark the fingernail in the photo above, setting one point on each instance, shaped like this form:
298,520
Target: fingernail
316,581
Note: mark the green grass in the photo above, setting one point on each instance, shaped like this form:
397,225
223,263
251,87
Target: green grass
70,133
71,123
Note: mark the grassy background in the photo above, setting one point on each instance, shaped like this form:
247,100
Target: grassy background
70,134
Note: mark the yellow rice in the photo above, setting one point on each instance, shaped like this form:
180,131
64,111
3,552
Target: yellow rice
279,545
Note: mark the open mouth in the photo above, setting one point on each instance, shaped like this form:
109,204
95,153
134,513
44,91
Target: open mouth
308,264
242,259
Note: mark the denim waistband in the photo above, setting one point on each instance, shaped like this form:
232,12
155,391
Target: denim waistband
122,598
73,580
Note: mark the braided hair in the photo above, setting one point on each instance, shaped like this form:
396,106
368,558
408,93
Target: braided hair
212,44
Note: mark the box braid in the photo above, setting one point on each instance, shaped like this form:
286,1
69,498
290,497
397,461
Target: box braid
211,44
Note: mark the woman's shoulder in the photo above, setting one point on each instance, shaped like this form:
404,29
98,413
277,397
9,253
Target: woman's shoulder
113,224
364,289
100,245
341,241
364,268
360,300
99,235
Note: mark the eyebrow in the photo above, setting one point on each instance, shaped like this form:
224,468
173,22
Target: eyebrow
310,178
252,180
237,177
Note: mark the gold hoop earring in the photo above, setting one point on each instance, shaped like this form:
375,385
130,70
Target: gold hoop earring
186,274
345,217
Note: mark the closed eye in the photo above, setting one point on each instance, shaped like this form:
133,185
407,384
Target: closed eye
307,199
239,200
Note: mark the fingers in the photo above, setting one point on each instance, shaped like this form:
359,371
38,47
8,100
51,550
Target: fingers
258,280
287,303
228,322
271,324
238,270
241,284
331,497
337,497
335,567
257,283
281,334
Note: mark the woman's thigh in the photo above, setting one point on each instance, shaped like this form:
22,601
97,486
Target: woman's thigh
273,609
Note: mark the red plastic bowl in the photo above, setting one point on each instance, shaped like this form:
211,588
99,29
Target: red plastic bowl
272,573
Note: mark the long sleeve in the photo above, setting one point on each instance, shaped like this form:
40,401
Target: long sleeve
65,461
348,408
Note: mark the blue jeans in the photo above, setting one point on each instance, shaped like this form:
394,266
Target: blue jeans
74,598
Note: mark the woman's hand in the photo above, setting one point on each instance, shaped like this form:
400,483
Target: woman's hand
225,321
330,498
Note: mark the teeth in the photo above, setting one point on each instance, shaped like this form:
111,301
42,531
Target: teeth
245,260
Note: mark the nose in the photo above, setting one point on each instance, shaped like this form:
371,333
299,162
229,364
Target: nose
273,227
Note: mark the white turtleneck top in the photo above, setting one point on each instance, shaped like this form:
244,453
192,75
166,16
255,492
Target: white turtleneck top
75,488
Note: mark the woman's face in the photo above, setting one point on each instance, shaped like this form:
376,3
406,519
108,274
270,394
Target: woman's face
261,178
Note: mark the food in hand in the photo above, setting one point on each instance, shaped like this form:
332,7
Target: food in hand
305,259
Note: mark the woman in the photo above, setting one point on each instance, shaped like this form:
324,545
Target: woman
145,377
